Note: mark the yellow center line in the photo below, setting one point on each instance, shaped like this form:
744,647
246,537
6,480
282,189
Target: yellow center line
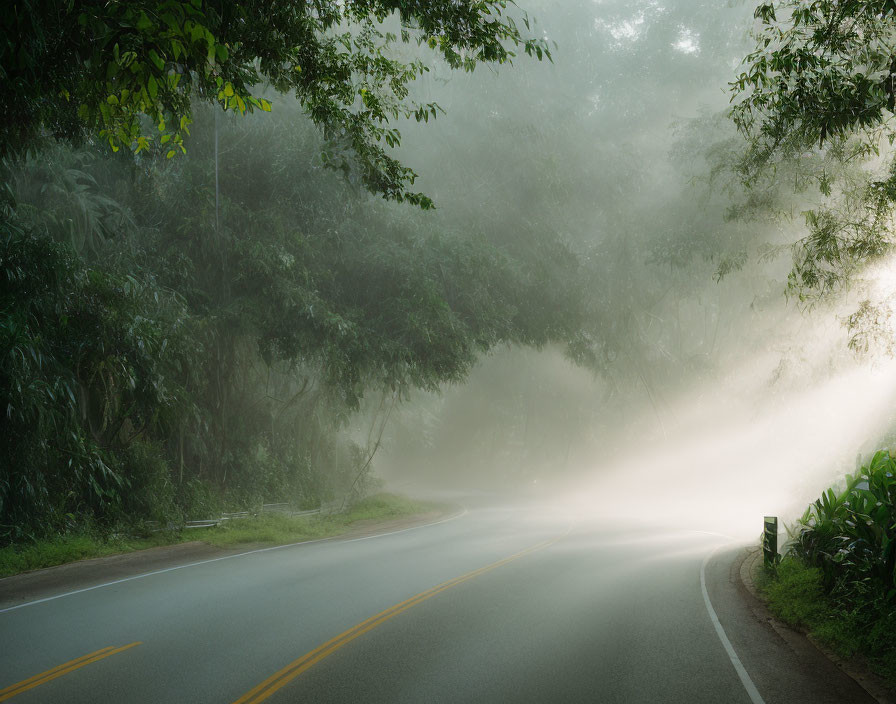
55,669
284,676
59,670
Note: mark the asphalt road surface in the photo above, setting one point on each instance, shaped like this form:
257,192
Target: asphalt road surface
507,604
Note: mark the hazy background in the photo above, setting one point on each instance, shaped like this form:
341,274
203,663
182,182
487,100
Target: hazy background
716,398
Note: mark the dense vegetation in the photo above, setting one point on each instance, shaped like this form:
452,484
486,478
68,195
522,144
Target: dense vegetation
130,73
180,332
815,100
230,306
838,577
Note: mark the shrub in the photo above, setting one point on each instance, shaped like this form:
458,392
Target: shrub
851,536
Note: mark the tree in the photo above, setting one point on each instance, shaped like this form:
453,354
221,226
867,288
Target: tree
157,356
815,98
128,71
824,71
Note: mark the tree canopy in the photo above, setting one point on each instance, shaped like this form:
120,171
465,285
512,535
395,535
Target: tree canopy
822,71
816,99
180,331
129,72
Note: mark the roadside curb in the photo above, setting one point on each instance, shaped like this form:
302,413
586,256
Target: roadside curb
871,683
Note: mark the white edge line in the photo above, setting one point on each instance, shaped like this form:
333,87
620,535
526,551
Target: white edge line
720,632
334,539
403,530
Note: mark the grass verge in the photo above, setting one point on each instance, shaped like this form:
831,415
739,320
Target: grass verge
796,595
272,529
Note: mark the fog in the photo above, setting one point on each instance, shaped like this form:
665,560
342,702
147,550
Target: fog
323,309
717,399
596,312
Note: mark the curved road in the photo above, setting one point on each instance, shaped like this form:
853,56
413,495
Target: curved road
506,604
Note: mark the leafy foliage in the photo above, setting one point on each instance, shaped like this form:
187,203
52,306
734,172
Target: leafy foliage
90,362
837,579
229,358
815,98
822,70
851,536
83,68
166,346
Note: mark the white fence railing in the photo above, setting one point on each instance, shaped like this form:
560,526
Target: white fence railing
281,508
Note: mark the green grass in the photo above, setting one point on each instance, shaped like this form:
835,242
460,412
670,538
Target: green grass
269,529
796,596
15,559
278,529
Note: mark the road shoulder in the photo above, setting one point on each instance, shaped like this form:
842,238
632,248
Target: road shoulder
783,664
750,562
85,574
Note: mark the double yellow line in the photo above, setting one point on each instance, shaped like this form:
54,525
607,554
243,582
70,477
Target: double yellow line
59,671
283,677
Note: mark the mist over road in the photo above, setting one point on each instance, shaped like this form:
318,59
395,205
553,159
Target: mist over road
511,603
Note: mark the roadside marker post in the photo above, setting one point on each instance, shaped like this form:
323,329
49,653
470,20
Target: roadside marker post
770,543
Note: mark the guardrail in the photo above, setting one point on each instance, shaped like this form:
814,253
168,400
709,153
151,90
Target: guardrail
281,508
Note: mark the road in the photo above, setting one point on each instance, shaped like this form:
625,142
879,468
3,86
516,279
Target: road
499,604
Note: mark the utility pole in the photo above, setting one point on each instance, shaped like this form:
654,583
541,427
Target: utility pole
217,231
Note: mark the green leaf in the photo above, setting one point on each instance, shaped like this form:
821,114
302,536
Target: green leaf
156,59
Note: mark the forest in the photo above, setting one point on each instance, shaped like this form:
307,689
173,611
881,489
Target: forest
196,297
251,255
592,288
